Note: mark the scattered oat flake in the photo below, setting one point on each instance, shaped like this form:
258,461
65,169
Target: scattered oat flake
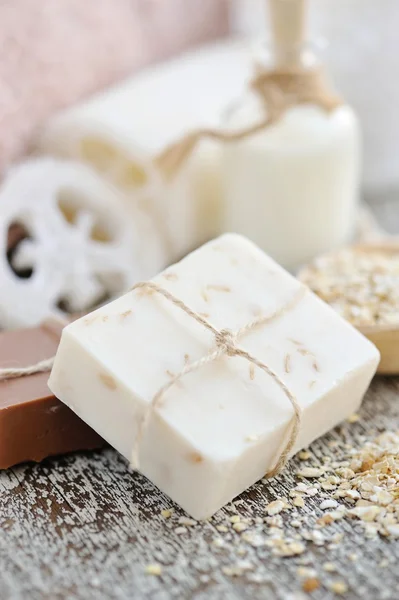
153,570
317,537
338,587
353,418
295,342
239,527
365,513
275,507
304,455
337,538
307,572
253,539
258,520
218,288
231,571
181,530
329,567
311,472
329,503
302,487
167,513
235,519
252,372
325,520
245,565
382,497
218,542
384,563
295,523
353,557
393,530
90,320
310,585
288,548
304,352
298,501
222,528
170,276
187,522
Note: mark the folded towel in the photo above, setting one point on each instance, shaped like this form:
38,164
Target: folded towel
55,53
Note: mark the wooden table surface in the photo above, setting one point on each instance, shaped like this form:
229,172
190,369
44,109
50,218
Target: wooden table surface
85,527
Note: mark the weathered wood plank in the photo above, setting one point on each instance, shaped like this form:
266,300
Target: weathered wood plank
85,527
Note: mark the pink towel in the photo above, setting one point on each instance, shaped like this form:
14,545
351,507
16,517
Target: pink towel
56,52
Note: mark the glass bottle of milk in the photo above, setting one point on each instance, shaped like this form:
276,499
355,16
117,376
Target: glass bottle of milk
292,188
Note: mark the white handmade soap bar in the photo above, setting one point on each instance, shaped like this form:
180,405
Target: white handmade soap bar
221,427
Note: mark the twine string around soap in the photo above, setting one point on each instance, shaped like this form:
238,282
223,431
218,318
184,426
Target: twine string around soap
279,90
43,366
226,345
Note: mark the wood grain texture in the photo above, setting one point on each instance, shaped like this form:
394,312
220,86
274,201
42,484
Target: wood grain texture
85,527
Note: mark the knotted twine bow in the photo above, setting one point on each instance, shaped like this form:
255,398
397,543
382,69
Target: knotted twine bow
279,91
226,345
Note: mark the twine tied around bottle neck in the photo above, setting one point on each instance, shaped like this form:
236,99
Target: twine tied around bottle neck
226,344
279,91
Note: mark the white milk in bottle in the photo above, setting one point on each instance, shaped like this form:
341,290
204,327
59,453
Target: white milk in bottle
293,187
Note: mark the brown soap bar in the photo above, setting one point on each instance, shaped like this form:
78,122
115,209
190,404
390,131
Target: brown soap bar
33,423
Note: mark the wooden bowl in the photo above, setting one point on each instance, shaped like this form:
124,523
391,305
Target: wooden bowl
387,341
385,337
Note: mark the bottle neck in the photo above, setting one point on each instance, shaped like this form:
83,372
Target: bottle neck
303,57
288,31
